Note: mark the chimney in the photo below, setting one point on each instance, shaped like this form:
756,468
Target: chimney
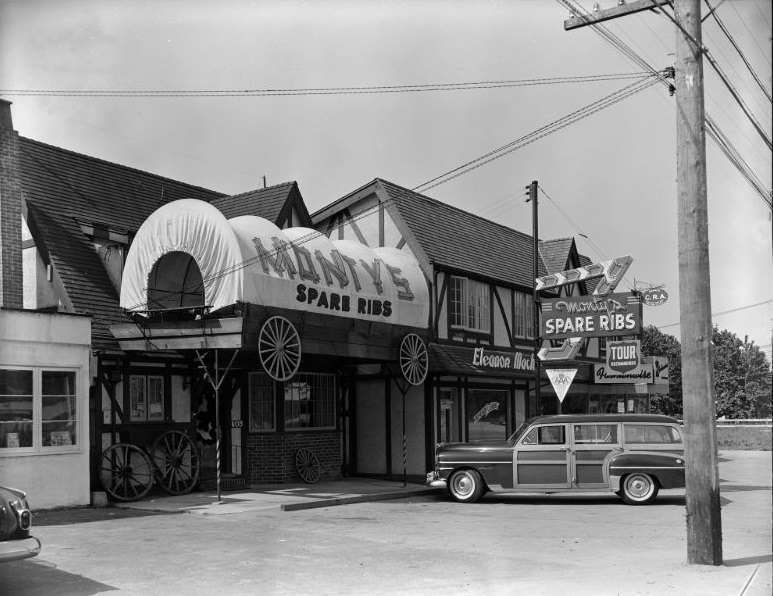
11,288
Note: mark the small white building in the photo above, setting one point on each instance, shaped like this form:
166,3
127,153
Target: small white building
44,406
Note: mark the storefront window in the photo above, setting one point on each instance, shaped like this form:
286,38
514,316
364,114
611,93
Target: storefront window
59,408
449,415
38,409
15,408
309,401
486,415
261,403
146,398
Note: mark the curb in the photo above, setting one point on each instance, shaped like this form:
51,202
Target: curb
318,503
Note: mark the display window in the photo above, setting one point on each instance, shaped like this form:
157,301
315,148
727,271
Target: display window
38,410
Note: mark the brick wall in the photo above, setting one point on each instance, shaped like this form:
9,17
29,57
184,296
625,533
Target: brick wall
270,458
11,286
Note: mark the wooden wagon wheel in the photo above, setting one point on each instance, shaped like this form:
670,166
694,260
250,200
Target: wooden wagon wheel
279,346
307,465
126,472
177,462
413,359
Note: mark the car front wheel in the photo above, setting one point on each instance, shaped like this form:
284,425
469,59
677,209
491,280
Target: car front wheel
466,486
639,489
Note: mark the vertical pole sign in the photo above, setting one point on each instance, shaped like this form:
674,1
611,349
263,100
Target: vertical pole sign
414,364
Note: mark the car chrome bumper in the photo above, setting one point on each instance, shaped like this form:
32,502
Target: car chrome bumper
13,550
435,481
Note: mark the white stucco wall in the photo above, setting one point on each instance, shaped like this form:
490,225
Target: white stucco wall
33,339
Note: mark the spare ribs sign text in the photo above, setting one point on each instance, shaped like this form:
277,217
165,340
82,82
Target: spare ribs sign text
591,316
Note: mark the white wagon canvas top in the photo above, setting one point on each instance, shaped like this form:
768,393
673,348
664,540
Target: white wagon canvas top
187,252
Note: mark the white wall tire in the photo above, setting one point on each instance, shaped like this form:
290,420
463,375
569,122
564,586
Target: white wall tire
639,489
466,486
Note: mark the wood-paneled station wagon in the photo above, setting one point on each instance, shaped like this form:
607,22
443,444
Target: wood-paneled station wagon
632,455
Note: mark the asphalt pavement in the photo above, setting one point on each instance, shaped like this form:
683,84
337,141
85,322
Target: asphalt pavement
747,541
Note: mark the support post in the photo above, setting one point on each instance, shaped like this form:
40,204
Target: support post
704,527
534,199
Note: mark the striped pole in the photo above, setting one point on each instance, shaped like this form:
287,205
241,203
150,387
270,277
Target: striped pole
217,422
405,450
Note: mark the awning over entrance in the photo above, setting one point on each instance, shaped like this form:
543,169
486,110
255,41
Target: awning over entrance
480,361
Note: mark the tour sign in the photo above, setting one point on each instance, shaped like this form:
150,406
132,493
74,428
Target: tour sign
591,316
623,356
654,296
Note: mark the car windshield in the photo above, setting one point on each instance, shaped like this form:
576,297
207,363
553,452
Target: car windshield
517,434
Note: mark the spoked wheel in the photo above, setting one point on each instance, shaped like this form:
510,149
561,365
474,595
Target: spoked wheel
639,489
413,359
307,465
177,462
279,347
126,472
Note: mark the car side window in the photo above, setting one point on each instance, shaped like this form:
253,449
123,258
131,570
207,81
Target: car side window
585,434
651,434
545,435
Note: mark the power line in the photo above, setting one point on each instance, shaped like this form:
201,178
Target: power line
724,312
719,138
724,29
375,89
544,131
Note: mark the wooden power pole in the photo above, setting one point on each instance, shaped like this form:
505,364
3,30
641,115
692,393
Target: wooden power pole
704,524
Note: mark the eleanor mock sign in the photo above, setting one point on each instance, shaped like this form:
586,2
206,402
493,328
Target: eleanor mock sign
591,316
515,360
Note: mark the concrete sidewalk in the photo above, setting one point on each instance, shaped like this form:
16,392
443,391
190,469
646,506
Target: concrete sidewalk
287,497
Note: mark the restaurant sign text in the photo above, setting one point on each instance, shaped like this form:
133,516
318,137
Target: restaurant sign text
591,316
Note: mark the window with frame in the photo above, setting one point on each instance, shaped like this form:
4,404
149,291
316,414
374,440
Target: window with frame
146,398
469,304
262,402
310,401
38,409
523,324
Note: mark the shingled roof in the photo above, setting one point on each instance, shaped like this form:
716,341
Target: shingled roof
64,190
273,203
457,240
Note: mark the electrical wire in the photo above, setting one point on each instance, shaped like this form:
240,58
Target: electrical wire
738,49
375,89
719,138
542,132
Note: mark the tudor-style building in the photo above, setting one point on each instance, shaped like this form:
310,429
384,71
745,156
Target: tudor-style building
481,382
165,346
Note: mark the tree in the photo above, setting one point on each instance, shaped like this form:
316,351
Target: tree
656,343
742,377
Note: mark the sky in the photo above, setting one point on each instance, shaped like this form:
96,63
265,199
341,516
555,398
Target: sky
608,179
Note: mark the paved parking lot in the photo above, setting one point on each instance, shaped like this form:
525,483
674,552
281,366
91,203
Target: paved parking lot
536,544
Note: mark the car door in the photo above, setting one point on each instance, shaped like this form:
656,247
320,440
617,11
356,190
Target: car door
591,443
541,458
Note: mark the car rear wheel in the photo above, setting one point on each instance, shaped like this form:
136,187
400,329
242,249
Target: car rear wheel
466,486
639,489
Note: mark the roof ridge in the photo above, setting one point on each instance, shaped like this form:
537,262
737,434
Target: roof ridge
116,164
454,208
272,187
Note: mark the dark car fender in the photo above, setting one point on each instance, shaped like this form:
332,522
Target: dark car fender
666,467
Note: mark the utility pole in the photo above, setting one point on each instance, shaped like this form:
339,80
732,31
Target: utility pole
533,198
704,524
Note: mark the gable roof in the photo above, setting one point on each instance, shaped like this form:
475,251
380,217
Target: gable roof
63,190
274,203
454,239
556,254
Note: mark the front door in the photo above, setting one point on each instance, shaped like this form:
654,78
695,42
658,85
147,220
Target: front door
541,459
